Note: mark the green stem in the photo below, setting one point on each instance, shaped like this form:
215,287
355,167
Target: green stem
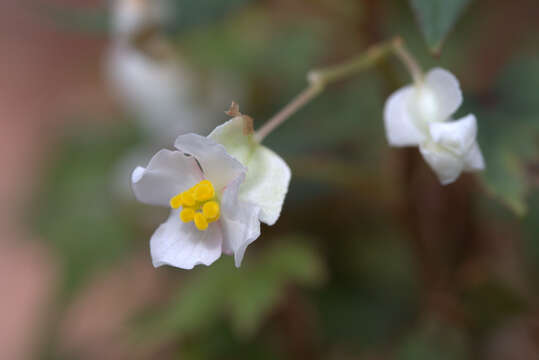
408,60
297,103
355,65
319,79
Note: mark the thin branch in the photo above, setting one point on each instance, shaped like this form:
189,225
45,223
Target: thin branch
297,103
319,79
408,60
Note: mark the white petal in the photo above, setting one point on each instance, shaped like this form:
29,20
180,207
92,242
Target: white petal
266,184
446,165
239,221
401,130
181,245
268,175
130,17
457,136
218,166
473,161
231,135
168,173
446,88
160,93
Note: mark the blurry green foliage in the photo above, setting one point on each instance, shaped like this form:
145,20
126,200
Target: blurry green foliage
436,18
373,293
186,14
490,302
221,342
531,238
76,210
346,119
509,131
433,340
243,296
189,14
253,44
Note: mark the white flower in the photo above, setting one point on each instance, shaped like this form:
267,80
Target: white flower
132,16
156,89
420,115
219,189
153,82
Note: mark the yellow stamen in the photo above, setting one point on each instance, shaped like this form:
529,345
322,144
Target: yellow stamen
199,205
204,191
187,198
176,201
187,215
211,210
200,221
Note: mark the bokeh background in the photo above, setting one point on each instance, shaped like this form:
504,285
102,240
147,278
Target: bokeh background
371,259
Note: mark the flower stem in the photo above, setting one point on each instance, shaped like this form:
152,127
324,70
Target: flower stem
297,103
408,60
319,79
353,66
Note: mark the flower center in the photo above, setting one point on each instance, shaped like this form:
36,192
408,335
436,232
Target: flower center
425,108
199,205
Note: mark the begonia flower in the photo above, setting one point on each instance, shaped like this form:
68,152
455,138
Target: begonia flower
421,115
219,188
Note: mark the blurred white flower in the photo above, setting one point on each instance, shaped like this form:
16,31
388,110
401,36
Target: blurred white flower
420,115
219,189
158,92
130,17
150,79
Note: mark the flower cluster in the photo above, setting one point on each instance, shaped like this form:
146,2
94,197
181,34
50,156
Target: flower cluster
420,115
220,187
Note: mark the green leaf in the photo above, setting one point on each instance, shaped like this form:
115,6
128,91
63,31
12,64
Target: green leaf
436,18
75,211
259,290
196,13
241,45
504,176
508,134
243,296
531,238
374,289
434,340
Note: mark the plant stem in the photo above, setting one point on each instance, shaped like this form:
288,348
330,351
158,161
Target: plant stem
297,103
319,79
408,60
353,66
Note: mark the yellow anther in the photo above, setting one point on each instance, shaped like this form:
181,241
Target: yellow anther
199,205
176,201
204,191
211,210
187,198
200,221
205,182
187,215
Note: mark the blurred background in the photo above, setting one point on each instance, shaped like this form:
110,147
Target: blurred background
371,258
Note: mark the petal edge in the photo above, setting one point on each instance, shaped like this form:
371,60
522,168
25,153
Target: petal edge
399,125
168,173
217,164
446,87
181,245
